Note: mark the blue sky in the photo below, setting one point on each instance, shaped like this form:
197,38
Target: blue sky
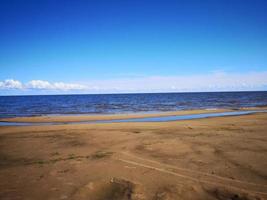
107,46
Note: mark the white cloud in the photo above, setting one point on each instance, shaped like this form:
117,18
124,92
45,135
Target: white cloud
39,85
216,81
10,84
69,86
45,85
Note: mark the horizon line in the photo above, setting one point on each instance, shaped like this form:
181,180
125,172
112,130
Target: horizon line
123,93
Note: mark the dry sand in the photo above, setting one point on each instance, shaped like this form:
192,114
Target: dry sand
216,158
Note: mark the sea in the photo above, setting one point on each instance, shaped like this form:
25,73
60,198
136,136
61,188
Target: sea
93,104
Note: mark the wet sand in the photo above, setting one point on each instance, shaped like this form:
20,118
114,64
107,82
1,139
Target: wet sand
78,118
213,158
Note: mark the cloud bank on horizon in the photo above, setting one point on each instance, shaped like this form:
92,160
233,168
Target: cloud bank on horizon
216,81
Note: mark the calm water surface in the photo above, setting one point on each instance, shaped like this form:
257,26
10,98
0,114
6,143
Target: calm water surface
11,106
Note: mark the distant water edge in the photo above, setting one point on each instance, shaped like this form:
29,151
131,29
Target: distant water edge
13,106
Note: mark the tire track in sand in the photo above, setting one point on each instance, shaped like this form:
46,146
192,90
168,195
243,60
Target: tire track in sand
199,176
194,171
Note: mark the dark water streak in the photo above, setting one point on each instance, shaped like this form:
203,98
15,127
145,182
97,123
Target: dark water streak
144,119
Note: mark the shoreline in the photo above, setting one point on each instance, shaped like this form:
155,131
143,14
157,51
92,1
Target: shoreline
169,118
100,117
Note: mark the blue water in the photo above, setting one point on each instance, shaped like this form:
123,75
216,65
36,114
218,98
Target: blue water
146,119
12,106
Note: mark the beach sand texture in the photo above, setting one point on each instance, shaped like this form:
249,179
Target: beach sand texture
215,158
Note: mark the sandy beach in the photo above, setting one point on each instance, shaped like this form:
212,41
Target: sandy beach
215,158
133,100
